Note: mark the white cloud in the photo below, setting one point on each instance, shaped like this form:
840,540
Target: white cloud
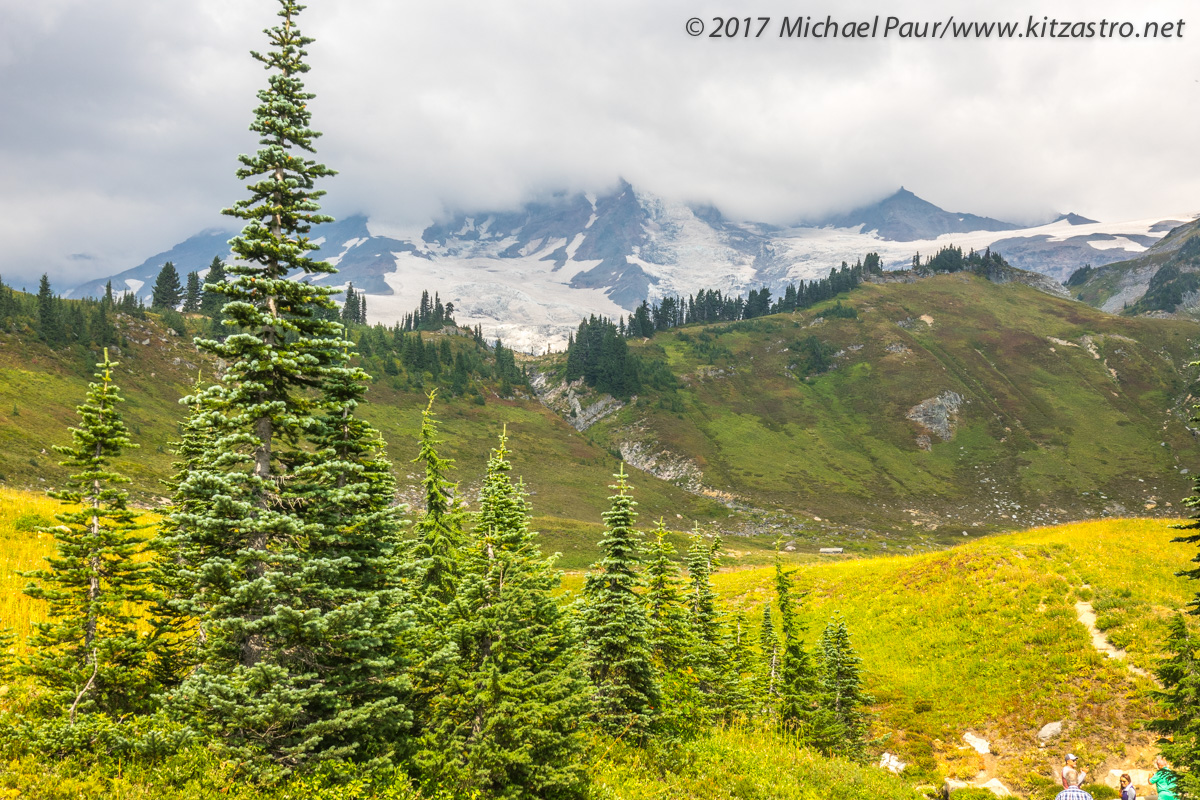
122,118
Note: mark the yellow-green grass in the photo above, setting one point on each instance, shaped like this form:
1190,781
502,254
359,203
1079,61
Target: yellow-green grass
24,548
985,638
982,637
742,763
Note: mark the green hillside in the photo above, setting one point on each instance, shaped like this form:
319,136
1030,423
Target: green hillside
1062,412
40,386
806,425
984,638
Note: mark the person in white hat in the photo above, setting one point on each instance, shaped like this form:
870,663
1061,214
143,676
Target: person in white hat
1072,763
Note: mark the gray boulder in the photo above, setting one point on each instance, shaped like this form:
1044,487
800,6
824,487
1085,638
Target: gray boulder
1050,730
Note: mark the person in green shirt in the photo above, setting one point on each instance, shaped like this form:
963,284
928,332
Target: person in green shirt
1163,780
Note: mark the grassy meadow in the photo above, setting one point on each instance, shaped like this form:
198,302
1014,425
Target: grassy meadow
982,637
22,548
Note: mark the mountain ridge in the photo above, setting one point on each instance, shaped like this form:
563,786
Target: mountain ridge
528,275
904,217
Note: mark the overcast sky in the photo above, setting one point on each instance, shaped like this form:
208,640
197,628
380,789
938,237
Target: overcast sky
120,120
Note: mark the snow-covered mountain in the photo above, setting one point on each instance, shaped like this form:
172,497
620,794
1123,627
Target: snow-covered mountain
904,217
529,275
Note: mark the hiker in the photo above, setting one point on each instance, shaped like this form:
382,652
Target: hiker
1071,762
1127,790
1072,792
1163,780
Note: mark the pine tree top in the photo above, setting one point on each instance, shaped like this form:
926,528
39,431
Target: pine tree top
101,437
621,543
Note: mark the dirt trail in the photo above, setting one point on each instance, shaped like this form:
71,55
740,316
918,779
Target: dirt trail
1087,616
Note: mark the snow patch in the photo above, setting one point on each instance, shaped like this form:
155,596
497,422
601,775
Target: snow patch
1119,242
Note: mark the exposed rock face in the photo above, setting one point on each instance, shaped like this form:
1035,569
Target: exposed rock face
683,472
564,400
951,785
891,763
938,415
1036,280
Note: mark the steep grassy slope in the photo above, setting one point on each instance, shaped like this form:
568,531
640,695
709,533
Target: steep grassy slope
567,475
826,430
1058,412
40,388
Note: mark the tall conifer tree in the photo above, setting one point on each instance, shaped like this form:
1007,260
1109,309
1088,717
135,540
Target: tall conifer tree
797,676
613,624
178,554
709,656
193,294
89,656
768,645
49,313
439,528
212,299
670,639
350,592
740,677
703,613
1179,674
1179,671
434,571
290,553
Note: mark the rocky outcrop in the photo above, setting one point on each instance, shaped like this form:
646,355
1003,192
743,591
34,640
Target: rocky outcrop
1036,280
981,745
564,399
938,415
996,787
649,457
